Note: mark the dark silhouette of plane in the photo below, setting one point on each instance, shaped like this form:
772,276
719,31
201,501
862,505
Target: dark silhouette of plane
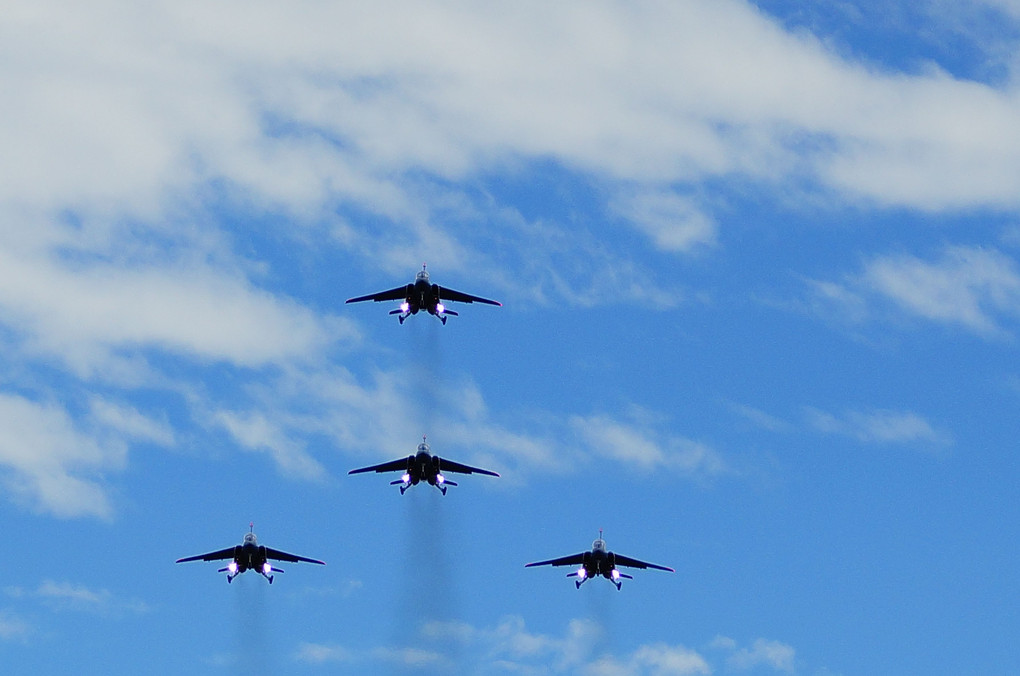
597,562
423,295
423,466
250,554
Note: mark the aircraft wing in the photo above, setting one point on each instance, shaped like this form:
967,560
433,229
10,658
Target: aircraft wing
399,293
634,563
461,297
572,560
451,466
277,555
399,465
211,556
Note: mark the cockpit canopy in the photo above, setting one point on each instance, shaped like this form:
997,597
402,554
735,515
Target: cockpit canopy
599,545
250,539
423,448
422,276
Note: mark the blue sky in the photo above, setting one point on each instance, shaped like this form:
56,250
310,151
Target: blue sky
759,268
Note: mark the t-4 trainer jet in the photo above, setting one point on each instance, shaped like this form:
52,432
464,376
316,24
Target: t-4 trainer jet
423,466
599,561
250,554
423,295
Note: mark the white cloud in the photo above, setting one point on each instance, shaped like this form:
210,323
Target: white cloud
384,416
56,460
1011,6
52,465
761,653
82,313
653,660
254,432
639,446
760,418
969,286
778,656
976,288
315,653
131,423
879,426
415,658
67,596
13,628
662,660
674,223
299,109
411,658
511,646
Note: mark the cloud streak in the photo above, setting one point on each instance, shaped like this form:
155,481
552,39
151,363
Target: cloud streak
879,427
66,596
509,646
304,109
50,464
974,288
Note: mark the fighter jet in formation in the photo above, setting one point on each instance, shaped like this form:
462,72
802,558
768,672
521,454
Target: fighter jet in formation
599,561
250,554
423,295
423,466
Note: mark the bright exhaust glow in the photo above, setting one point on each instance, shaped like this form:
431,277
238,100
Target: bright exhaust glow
232,567
440,308
582,573
405,306
406,478
266,568
440,479
615,574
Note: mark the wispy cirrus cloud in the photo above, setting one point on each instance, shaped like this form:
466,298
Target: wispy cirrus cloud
85,312
762,652
48,463
66,596
640,445
974,288
320,115
318,653
869,426
53,463
969,286
131,423
288,413
659,659
674,223
13,627
879,427
409,658
254,432
510,646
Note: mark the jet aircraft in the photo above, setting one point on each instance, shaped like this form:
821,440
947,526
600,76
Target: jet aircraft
599,561
423,466
423,295
250,554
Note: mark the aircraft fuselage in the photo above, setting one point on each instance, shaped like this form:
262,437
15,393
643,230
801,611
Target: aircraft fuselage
423,467
422,296
250,556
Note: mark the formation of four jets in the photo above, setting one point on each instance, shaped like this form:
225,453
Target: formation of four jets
423,466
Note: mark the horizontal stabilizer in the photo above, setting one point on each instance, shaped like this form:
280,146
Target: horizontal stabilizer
396,312
451,312
222,570
394,483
